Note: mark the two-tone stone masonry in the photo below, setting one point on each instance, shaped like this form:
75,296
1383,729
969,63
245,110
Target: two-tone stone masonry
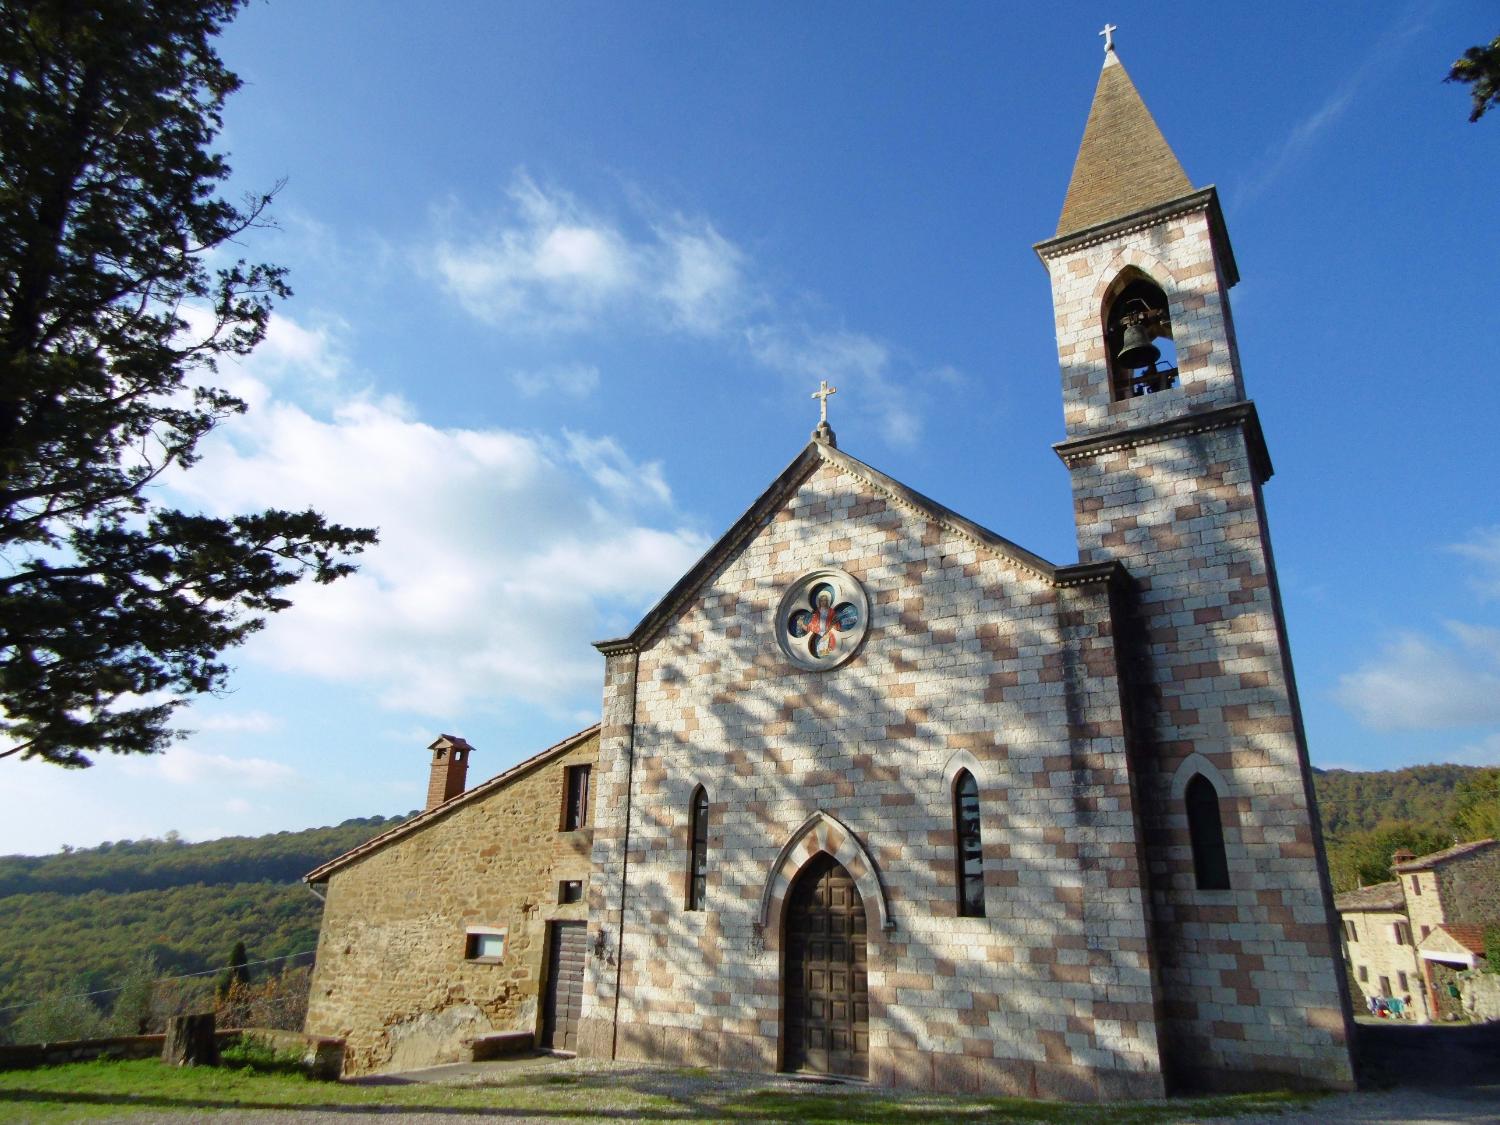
1169,484
973,659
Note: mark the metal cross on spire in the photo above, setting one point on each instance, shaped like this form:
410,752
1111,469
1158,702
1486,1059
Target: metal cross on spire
1109,37
821,394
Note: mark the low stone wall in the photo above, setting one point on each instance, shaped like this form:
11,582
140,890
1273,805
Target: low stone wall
1481,992
323,1056
24,1056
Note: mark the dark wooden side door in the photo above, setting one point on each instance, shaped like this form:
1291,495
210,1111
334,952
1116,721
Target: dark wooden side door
564,1001
827,998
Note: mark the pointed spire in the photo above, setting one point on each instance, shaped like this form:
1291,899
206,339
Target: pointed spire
1124,164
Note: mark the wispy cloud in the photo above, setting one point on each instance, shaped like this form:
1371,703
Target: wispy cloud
573,380
1417,683
232,722
184,765
549,264
1306,132
1483,549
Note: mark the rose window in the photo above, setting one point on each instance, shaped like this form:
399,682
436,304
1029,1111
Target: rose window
822,619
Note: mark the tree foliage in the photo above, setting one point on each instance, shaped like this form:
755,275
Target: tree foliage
83,921
117,297
1479,68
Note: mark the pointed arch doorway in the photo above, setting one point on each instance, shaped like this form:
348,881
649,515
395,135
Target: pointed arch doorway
827,1009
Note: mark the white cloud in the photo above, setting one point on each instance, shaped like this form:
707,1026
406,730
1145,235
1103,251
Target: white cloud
1484,550
549,264
500,552
1416,683
575,380
854,363
183,765
233,722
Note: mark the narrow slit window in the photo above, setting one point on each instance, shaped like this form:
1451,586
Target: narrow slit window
698,851
576,798
969,849
1210,863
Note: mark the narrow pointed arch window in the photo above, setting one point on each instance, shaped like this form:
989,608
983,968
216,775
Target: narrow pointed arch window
968,849
698,850
1138,338
1210,862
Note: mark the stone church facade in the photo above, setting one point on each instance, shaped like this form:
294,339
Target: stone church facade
880,793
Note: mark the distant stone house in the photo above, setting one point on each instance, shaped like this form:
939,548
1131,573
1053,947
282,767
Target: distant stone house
438,932
1410,937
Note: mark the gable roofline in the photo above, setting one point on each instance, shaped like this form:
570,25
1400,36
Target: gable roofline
813,457
322,873
1437,859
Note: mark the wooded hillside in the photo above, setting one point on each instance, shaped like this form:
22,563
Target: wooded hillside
82,919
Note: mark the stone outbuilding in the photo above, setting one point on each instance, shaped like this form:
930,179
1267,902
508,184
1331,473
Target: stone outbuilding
437,934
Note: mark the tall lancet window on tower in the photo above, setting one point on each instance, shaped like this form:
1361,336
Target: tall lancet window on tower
1210,863
1138,338
970,852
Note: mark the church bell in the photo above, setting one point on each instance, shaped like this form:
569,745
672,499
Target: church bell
1136,348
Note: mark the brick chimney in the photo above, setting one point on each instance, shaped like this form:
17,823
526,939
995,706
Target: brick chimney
1403,855
450,769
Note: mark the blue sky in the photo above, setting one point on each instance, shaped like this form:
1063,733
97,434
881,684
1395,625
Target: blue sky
566,275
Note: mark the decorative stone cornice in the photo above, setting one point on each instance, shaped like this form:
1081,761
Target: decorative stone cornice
1205,200
1241,415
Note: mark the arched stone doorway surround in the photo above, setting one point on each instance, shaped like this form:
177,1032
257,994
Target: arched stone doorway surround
821,833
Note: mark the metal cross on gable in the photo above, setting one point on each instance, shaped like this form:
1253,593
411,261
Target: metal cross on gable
821,394
1109,36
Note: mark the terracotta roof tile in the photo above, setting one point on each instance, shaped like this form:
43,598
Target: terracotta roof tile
1124,164
1469,936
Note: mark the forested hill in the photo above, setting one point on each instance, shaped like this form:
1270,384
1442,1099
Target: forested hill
81,920
1352,801
153,865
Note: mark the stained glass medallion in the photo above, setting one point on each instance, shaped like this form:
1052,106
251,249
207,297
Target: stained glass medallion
822,619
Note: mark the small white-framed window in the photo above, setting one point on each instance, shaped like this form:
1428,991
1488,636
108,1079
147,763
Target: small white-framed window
484,944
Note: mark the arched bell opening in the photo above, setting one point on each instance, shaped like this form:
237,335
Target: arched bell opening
1138,337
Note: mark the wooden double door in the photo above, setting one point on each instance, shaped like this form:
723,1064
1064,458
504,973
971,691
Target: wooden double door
563,1004
827,1021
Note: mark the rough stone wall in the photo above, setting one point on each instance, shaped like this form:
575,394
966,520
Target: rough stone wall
1481,994
1376,953
1251,975
391,976
1426,903
1469,887
970,660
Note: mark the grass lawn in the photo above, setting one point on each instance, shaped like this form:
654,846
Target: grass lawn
81,1091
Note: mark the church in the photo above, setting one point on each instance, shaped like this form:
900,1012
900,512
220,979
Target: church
878,793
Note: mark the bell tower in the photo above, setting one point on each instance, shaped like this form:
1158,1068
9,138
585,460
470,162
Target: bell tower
1167,463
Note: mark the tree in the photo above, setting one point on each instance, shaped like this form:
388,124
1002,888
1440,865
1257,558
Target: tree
237,973
1479,67
114,607
1478,813
1364,858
